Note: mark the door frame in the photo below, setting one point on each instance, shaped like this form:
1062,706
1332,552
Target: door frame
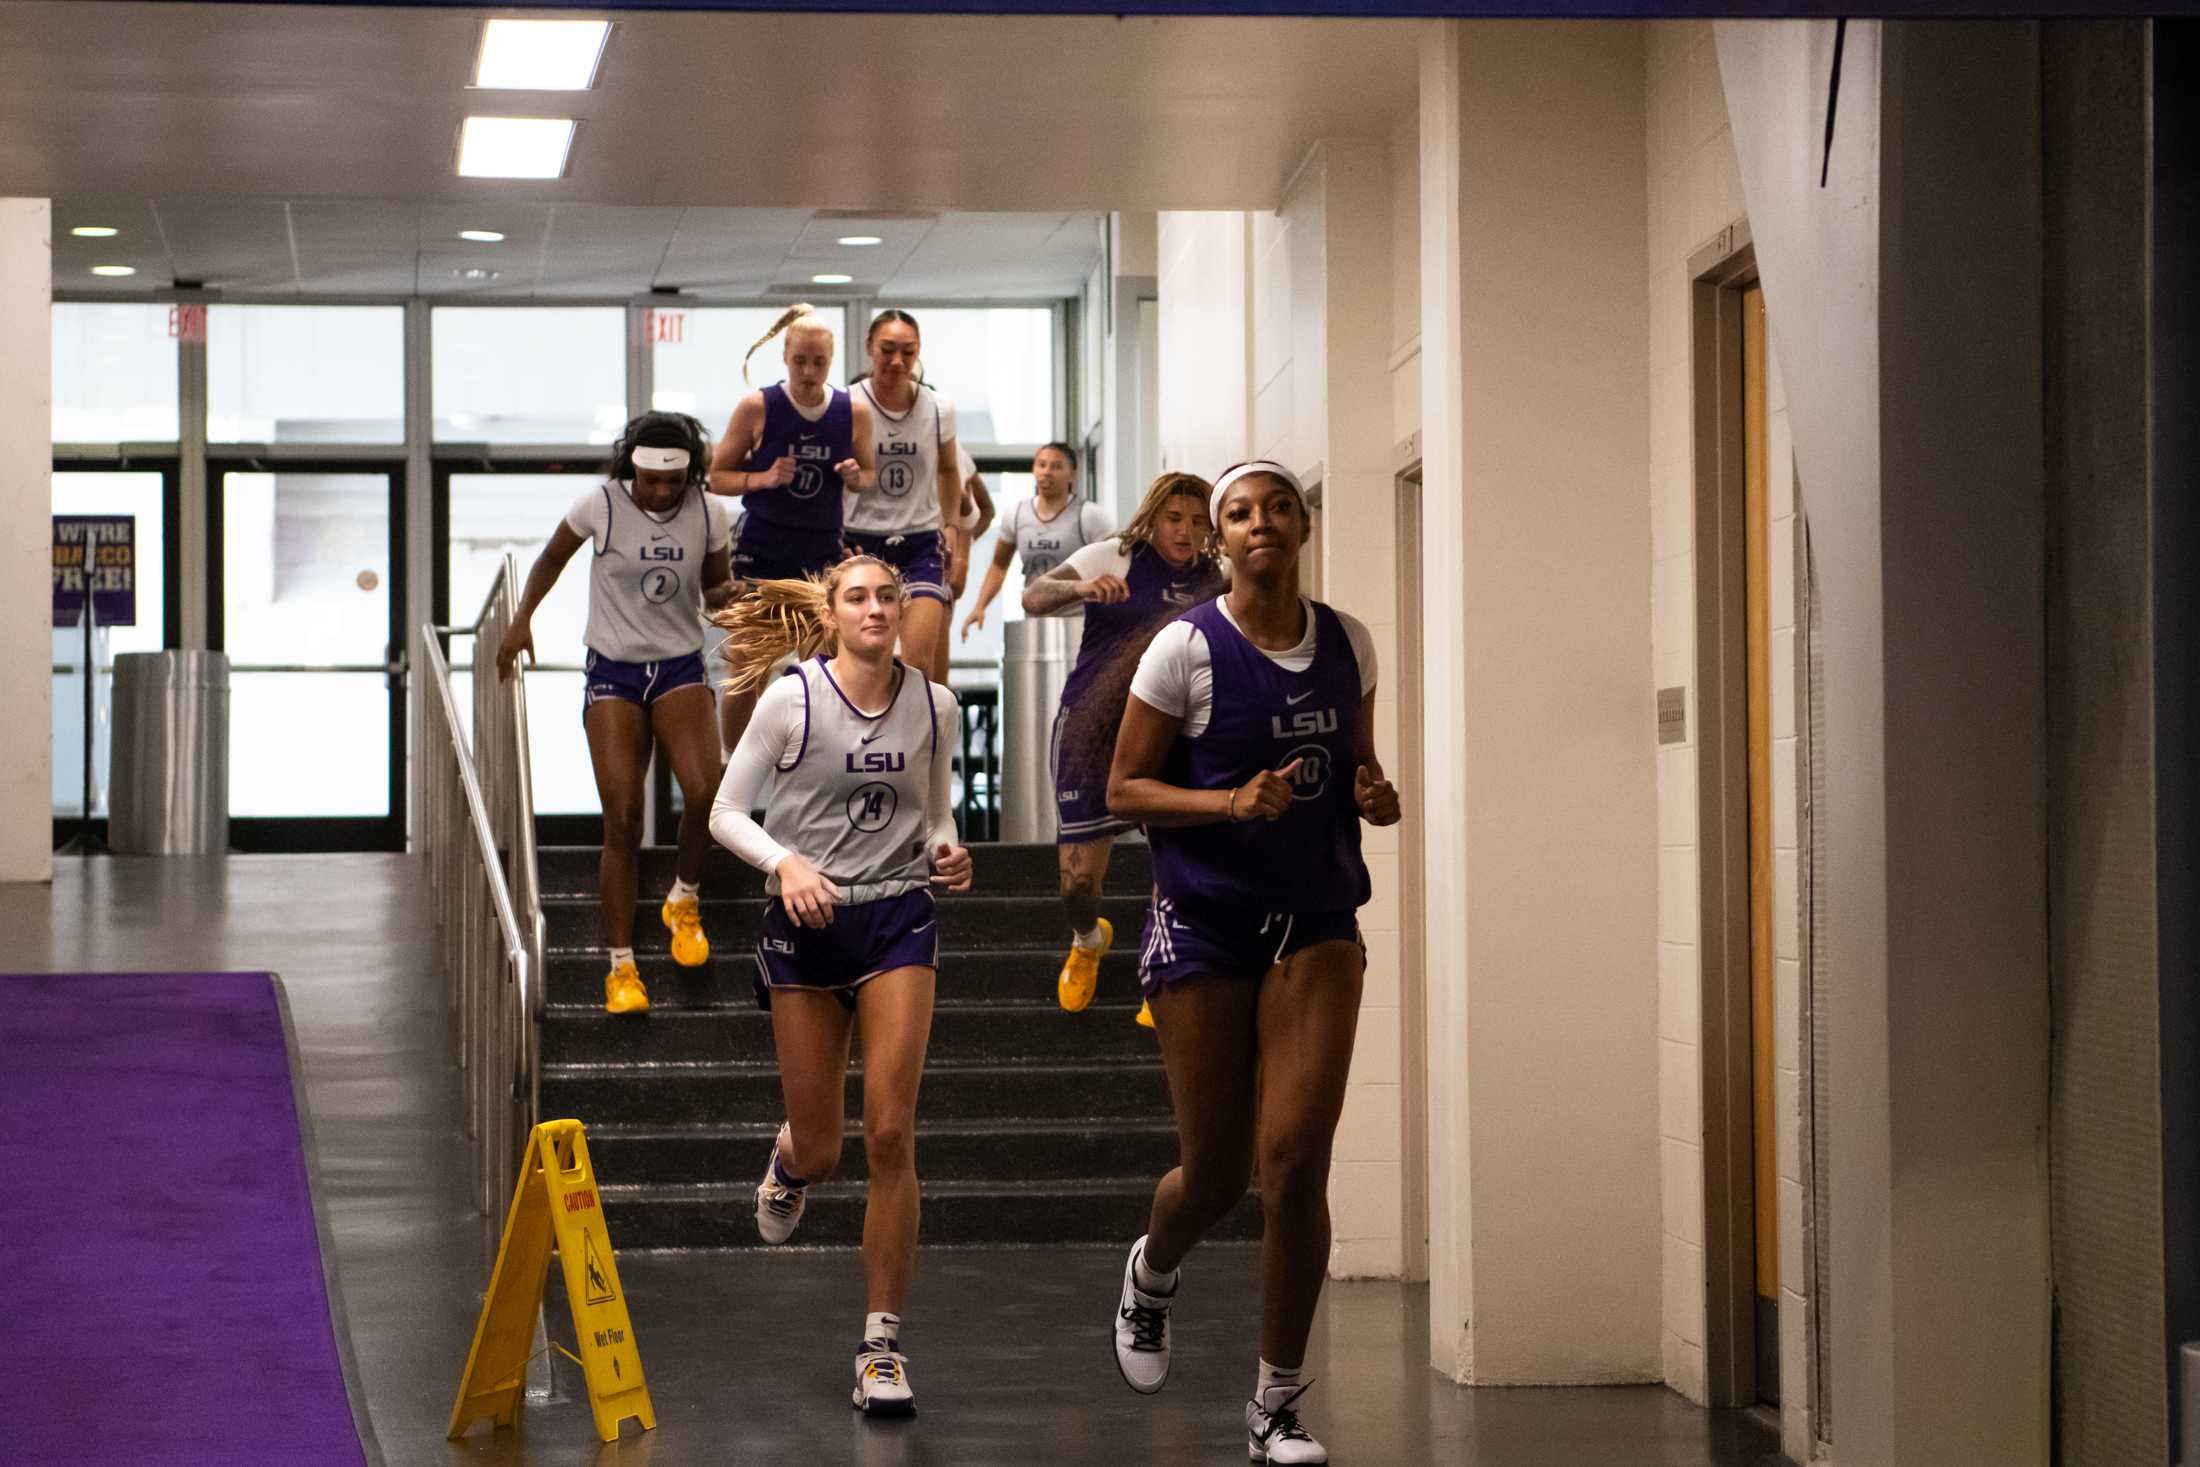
299,833
1719,274
1407,485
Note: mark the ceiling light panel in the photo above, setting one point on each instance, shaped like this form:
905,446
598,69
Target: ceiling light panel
115,271
481,236
858,241
95,231
514,147
540,55
831,278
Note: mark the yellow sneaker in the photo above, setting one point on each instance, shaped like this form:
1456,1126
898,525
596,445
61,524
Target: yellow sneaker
623,992
690,949
1145,1015
1081,971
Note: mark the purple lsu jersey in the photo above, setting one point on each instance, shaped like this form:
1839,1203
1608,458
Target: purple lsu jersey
1263,717
1159,591
799,521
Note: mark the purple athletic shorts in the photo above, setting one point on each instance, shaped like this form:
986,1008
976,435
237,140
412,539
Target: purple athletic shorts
863,940
639,682
921,557
1225,942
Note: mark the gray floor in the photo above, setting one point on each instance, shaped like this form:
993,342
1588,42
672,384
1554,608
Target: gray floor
1007,1348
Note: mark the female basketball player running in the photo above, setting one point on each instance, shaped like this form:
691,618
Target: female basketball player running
859,829
1248,750
661,555
919,486
1046,529
1129,585
791,452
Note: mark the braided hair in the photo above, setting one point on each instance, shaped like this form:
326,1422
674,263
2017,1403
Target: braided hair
663,430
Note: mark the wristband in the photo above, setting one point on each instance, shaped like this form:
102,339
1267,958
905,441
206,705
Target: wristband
1233,805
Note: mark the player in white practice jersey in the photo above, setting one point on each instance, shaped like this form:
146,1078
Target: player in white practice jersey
859,830
663,552
1045,530
904,522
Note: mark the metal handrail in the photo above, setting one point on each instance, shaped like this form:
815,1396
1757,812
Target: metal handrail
491,893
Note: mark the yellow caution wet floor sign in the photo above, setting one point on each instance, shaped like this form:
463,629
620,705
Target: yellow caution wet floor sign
556,1199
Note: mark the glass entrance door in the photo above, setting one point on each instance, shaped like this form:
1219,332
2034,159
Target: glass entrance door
307,599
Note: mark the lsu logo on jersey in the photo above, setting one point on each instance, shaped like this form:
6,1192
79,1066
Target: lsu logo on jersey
1180,596
1313,723
881,762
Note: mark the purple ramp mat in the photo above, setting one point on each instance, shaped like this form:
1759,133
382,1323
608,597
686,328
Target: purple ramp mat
166,1300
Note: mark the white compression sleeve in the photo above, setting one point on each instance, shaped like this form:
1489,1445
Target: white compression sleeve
762,749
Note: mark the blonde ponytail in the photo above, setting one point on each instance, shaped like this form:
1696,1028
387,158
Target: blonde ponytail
801,316
782,618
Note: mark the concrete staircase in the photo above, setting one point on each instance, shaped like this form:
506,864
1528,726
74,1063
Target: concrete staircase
1033,1126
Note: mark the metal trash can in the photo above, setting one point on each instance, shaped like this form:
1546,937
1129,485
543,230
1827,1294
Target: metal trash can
169,778
1036,656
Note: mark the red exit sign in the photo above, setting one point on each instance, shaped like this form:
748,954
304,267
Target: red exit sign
668,328
187,323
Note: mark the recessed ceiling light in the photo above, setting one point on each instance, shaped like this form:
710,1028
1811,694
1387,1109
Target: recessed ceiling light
860,239
481,236
475,272
514,147
95,231
114,269
540,55
830,278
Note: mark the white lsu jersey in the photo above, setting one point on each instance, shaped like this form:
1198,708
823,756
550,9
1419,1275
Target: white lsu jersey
1043,544
645,581
907,446
852,801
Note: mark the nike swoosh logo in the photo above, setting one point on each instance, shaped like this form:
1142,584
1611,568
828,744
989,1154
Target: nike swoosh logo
660,535
1301,698
879,735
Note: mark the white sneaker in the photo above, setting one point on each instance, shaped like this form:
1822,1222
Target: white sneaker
1272,1430
778,1208
882,1384
1142,1330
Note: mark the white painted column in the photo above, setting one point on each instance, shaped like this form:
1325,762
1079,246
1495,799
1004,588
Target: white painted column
1541,837
26,539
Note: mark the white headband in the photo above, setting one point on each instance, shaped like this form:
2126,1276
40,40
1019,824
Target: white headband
660,458
1245,471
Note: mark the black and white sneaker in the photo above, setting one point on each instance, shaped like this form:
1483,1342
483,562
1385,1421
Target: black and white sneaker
1142,1330
1272,1430
882,1384
778,1208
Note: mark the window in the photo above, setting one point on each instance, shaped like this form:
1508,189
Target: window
114,374
305,374
142,496
495,515
697,358
529,374
305,589
996,364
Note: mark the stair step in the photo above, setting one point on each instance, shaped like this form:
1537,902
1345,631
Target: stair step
673,1094
966,922
1003,869
957,1151
995,1032
1006,974
1076,1211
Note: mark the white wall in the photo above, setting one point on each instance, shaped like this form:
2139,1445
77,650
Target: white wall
26,538
1405,281
1293,287
1543,1071
1206,340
